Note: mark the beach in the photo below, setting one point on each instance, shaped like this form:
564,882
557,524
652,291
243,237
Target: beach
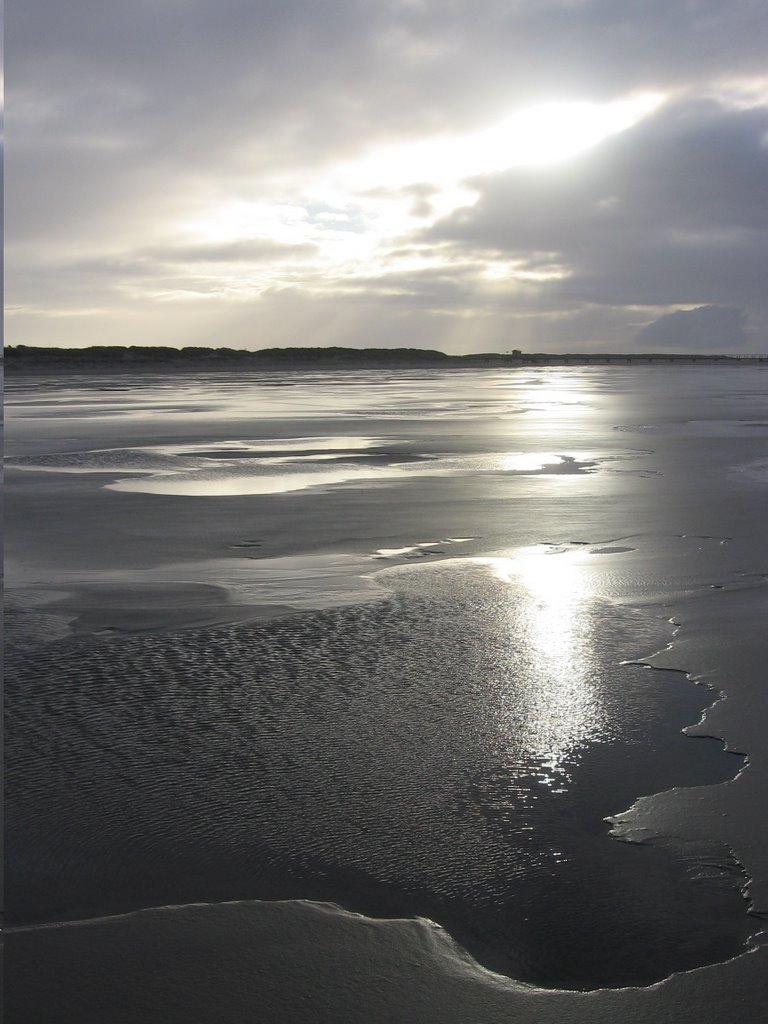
380,695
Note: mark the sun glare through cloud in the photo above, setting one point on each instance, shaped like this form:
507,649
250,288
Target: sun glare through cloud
542,135
558,175
351,218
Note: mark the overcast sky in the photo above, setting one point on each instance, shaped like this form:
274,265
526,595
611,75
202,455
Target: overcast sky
467,175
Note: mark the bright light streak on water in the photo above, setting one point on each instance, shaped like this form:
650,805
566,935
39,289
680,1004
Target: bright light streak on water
449,749
529,461
564,707
563,397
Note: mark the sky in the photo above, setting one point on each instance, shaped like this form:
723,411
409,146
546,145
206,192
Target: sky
466,175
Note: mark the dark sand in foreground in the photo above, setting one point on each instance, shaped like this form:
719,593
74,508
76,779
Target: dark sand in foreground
675,524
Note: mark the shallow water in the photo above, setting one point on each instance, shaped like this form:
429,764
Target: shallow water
449,752
446,732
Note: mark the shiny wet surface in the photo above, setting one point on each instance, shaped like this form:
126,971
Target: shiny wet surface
449,752
451,747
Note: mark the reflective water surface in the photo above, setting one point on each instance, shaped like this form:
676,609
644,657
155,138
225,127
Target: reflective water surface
256,653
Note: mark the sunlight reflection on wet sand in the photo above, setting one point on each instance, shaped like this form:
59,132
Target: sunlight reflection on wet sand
558,649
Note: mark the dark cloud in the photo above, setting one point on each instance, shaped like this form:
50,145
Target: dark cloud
671,212
127,120
713,328
196,80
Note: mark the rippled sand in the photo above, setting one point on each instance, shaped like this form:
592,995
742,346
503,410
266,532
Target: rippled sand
449,712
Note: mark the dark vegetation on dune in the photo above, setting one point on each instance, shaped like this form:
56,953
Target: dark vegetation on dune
26,358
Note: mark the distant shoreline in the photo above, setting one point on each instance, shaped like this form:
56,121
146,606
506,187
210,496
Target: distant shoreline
138,358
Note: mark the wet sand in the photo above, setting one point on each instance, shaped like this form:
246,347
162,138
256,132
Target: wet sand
306,962
671,526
